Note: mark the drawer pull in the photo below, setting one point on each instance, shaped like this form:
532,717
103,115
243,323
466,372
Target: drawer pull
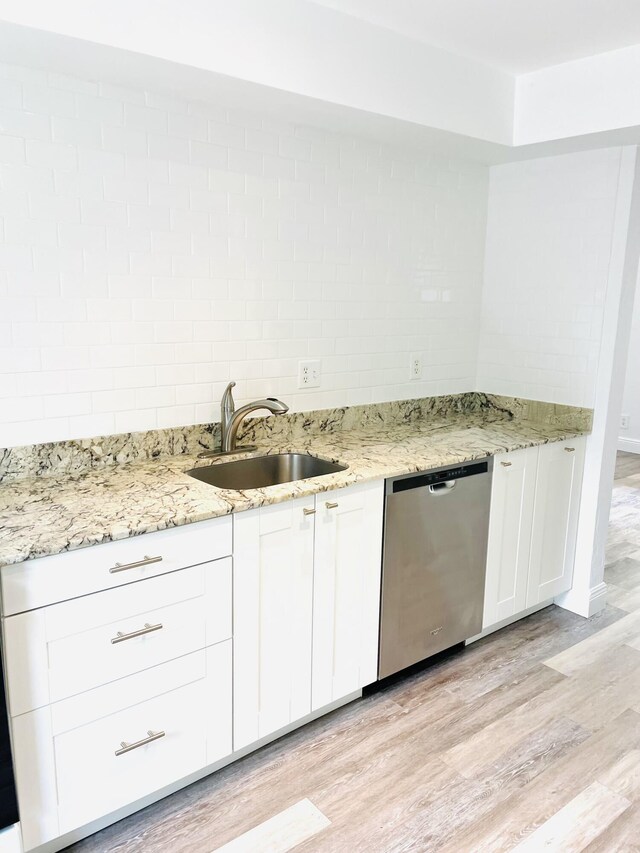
123,567
308,511
569,450
128,747
148,629
506,464
330,504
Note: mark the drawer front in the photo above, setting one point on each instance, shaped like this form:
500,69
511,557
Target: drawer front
47,580
87,660
67,648
67,772
110,762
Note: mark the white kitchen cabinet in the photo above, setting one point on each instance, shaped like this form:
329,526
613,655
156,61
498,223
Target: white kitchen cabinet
104,645
64,649
555,519
38,583
306,606
273,592
510,524
346,591
72,764
535,501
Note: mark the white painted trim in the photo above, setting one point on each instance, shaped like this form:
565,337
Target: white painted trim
629,445
95,826
11,839
584,602
600,459
497,626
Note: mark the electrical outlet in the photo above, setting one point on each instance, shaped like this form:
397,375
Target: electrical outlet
309,374
415,366
625,421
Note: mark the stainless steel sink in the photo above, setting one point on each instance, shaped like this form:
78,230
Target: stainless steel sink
261,471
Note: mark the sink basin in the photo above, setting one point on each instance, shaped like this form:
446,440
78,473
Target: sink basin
261,471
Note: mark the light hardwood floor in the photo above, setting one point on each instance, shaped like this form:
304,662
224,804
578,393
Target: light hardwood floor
527,740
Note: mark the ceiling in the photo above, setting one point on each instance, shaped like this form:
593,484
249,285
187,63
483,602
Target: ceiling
517,36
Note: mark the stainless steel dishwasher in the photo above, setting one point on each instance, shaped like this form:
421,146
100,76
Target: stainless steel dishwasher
436,525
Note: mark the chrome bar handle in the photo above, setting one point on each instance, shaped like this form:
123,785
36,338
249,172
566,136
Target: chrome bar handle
148,629
124,567
506,464
308,511
129,747
443,488
330,504
569,450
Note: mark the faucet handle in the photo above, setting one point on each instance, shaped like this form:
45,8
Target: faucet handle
227,409
227,403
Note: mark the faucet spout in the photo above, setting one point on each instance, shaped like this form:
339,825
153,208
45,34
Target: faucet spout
235,418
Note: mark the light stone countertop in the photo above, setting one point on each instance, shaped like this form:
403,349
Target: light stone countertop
40,516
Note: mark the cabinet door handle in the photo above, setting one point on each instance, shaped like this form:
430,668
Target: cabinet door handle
123,567
330,504
569,449
148,629
506,464
129,747
308,511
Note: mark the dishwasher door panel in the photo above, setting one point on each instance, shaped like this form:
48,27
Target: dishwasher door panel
434,566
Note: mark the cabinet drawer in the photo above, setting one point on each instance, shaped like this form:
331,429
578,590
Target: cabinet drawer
43,581
67,648
67,773
99,764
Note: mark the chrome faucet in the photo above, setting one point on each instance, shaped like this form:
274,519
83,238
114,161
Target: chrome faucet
231,418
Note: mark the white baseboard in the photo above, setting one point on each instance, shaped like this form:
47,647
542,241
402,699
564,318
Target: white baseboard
584,602
629,445
508,621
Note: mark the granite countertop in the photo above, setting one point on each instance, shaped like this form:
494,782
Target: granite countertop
40,516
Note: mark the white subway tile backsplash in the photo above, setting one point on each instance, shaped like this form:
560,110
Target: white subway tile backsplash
38,98
10,94
192,127
12,150
208,154
103,163
66,405
137,117
93,212
76,131
124,141
154,249
230,136
113,401
549,231
19,122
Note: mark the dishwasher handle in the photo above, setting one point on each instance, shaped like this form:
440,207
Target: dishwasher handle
443,488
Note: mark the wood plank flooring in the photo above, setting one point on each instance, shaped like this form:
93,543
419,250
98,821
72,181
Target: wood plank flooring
527,740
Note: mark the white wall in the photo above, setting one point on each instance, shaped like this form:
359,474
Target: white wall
590,95
549,233
588,593
563,238
154,249
630,438
295,46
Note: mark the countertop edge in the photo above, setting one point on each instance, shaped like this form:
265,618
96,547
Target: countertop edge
255,498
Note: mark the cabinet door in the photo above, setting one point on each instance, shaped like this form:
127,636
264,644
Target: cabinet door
510,523
346,591
555,519
273,594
